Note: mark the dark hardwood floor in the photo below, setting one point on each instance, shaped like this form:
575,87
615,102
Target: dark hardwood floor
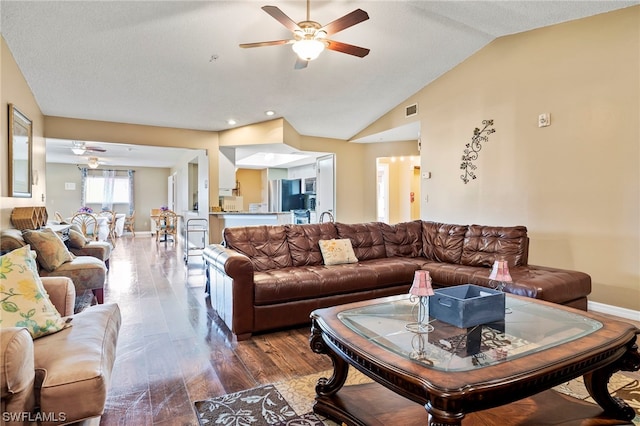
173,350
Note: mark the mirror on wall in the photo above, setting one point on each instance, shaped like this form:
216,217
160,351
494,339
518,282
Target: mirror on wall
20,144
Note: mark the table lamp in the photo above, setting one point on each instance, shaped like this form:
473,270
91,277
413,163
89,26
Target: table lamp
421,289
500,273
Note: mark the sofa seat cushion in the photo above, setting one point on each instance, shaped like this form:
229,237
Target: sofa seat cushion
299,283
550,284
392,270
86,272
98,249
304,282
451,274
75,364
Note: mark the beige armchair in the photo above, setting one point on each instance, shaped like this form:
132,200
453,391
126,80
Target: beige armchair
87,272
66,374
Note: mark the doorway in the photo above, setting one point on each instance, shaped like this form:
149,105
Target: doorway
325,186
398,189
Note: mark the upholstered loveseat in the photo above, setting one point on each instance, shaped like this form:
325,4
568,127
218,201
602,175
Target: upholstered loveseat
268,277
58,371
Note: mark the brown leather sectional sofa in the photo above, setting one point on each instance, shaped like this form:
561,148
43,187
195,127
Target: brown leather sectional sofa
268,277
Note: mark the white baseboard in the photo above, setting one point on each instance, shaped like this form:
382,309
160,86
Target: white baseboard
614,310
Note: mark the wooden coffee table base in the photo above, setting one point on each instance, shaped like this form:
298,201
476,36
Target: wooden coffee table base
372,404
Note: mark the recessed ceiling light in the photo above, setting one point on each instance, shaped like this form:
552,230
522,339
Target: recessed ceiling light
270,113
231,122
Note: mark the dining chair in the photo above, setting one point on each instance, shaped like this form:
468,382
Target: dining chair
129,222
58,217
111,220
88,224
167,225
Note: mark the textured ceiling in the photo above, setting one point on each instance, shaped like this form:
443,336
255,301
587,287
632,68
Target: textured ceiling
178,64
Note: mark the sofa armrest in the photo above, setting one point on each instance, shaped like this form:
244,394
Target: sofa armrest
62,293
17,371
230,276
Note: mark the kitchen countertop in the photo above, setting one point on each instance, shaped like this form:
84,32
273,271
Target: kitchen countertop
248,213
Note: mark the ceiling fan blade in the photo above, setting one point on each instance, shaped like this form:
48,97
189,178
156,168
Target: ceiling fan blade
350,49
95,149
281,17
266,43
348,20
300,64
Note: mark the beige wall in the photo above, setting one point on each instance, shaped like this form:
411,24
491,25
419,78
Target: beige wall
250,186
574,184
15,90
90,130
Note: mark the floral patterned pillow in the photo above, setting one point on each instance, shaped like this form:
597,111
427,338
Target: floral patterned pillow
23,300
336,252
49,246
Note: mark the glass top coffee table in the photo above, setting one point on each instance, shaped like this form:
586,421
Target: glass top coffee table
453,372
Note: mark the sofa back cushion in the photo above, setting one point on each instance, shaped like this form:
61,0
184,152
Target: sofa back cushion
366,239
485,244
265,245
303,242
443,242
403,239
11,239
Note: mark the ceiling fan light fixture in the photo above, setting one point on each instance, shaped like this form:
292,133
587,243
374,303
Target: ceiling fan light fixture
308,50
93,162
78,147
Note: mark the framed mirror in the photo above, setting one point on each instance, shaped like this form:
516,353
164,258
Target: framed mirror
20,144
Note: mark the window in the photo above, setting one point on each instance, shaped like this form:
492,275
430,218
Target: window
96,190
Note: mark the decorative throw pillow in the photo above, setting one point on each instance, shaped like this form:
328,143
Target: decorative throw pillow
76,239
49,246
336,252
24,301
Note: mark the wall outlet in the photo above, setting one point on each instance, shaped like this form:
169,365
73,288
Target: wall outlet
544,120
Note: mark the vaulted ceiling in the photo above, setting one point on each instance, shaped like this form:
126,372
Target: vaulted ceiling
178,63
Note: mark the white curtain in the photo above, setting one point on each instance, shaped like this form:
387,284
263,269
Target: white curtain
109,181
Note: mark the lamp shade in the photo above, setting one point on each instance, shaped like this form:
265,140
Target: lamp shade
500,271
421,284
93,162
308,49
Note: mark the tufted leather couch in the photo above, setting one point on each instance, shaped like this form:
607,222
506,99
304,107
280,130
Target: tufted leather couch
268,277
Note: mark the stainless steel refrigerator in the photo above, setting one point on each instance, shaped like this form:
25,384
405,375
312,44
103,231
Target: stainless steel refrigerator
285,195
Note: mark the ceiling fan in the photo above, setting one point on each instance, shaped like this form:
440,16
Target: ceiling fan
79,148
310,38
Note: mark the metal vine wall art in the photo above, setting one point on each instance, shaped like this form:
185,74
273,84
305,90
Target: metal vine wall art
470,153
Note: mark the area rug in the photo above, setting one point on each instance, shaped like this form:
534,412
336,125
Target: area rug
290,402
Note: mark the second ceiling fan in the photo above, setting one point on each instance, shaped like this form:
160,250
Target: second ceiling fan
310,38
